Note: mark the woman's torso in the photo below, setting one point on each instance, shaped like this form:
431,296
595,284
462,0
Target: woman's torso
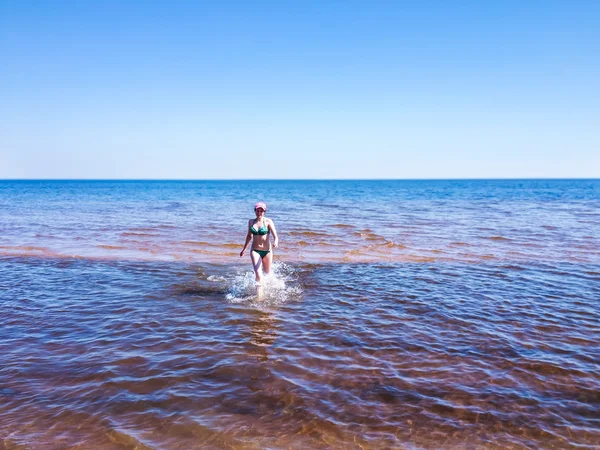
260,233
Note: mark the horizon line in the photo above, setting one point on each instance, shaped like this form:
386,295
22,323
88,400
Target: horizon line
303,179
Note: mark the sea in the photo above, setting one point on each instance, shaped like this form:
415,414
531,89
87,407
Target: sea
421,314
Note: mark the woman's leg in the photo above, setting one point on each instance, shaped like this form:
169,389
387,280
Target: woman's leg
267,260
256,260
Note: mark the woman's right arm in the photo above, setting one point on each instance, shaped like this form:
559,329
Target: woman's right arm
248,239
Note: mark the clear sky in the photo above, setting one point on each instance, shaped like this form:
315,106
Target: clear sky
299,89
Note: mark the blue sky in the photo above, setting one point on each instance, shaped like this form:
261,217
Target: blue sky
292,89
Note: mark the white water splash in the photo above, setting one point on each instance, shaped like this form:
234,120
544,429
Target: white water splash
280,286
217,278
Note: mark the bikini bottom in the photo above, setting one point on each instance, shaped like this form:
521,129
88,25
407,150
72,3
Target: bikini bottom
262,253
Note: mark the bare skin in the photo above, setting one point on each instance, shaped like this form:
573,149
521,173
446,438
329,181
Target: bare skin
261,242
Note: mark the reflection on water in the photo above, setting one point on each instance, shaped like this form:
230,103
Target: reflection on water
263,332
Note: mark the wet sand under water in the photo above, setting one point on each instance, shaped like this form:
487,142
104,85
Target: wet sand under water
152,355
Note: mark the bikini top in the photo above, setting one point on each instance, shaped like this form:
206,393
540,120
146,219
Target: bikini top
261,231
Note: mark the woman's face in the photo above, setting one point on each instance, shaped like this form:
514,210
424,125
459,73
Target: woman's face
259,212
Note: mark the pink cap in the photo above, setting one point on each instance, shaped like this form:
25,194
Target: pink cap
262,205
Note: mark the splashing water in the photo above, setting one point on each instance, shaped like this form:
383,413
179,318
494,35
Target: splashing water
280,286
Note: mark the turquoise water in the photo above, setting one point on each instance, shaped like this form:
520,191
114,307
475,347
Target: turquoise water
401,314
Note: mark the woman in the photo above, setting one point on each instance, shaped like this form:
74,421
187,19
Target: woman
259,230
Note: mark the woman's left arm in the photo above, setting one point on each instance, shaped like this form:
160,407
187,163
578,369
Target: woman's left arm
274,231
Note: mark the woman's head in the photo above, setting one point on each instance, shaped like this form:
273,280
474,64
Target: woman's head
260,206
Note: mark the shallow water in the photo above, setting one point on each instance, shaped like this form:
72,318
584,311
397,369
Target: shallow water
477,328
319,221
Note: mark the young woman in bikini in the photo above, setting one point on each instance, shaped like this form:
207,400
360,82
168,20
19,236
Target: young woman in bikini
258,231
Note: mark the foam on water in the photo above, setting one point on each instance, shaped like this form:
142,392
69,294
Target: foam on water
280,286
216,278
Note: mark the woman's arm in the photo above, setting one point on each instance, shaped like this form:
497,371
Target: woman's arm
248,239
274,231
